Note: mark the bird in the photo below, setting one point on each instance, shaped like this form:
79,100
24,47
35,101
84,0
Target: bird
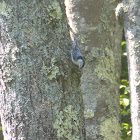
76,55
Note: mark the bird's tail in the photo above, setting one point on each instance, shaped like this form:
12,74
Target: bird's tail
75,43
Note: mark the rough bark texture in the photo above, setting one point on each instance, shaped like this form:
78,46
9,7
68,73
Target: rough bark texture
93,23
40,96
130,11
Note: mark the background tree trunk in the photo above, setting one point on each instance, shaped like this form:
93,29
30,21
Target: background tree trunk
94,24
40,96
131,14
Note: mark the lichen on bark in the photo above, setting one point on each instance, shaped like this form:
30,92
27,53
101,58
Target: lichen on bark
37,79
95,26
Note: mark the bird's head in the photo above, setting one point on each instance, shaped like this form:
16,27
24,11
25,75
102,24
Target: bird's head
81,63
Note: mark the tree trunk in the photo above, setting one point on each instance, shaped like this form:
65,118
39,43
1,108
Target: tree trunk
94,24
40,96
130,11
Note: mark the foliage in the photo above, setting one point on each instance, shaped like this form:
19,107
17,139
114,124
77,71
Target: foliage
126,126
1,135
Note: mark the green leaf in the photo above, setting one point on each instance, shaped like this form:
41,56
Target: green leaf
125,112
123,43
126,102
122,86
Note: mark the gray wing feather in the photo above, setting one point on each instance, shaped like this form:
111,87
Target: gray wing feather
76,52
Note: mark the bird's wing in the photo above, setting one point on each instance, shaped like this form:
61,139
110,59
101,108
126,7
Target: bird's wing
76,53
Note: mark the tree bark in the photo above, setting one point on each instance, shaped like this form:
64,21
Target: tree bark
40,97
130,12
93,23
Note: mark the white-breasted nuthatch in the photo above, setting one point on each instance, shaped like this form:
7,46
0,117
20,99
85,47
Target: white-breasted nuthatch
76,55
